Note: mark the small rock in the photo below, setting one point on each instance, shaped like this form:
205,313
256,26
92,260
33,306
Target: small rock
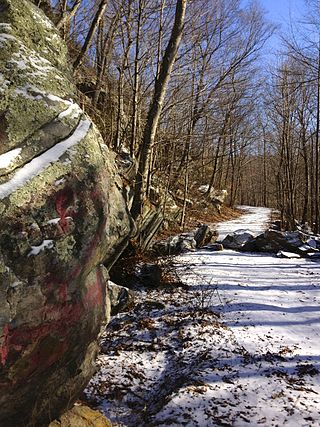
81,416
186,243
121,298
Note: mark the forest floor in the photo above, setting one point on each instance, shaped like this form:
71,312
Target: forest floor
235,342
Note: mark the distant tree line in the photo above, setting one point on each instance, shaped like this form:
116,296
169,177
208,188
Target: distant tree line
285,171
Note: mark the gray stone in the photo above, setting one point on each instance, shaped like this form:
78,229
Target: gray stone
121,298
237,240
204,235
215,247
290,242
174,245
62,215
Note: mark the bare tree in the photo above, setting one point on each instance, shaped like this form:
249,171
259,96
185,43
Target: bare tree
89,38
161,84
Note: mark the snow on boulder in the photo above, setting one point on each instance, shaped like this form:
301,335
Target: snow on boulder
62,215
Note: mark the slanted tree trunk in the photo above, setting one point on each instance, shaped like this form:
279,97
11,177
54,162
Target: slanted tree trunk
67,13
93,27
153,117
136,84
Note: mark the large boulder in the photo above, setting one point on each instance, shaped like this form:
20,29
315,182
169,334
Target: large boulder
121,298
284,243
62,215
238,239
205,235
275,241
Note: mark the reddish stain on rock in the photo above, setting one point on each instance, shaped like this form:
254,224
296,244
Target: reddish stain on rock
51,339
65,206
4,349
63,292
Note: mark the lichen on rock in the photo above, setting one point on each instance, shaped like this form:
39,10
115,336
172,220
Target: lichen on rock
62,215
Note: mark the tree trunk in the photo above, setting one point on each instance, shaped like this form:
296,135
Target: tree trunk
156,106
68,14
316,204
93,27
103,61
136,84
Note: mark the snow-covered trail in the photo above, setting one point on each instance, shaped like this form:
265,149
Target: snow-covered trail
272,307
238,346
253,219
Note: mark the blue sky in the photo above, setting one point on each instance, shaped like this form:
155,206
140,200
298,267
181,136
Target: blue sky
281,13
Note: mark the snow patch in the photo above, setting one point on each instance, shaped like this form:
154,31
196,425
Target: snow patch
9,157
38,164
4,38
53,221
4,84
42,20
46,244
59,182
73,110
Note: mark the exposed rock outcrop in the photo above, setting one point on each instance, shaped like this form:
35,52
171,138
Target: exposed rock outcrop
216,197
288,241
286,244
62,215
